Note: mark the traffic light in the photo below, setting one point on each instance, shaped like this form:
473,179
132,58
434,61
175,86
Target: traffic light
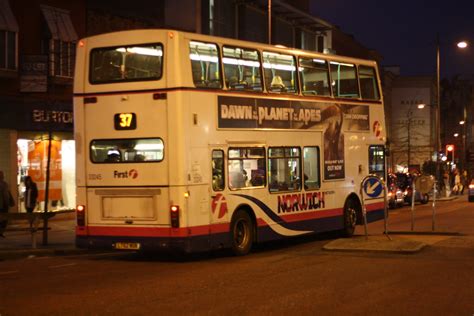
450,152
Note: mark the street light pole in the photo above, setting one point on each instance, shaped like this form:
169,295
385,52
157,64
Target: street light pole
438,113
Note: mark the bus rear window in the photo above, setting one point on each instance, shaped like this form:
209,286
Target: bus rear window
126,63
126,150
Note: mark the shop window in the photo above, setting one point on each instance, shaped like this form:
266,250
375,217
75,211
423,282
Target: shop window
284,170
246,167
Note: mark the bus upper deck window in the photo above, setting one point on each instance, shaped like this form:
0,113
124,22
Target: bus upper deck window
314,76
205,65
344,80
126,63
368,83
280,72
241,68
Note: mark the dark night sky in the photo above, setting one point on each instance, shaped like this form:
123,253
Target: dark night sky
404,31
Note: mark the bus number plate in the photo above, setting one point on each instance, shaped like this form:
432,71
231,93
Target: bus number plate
127,245
125,121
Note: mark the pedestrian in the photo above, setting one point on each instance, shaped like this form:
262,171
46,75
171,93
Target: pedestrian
31,194
457,183
6,201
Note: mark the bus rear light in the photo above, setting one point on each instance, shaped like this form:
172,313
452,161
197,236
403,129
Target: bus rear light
81,43
174,215
81,215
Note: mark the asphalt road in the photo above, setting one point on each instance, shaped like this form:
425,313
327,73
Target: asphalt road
278,278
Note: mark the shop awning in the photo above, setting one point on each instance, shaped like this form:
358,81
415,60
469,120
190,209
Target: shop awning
7,19
59,23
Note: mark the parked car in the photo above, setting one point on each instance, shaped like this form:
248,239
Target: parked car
394,193
405,182
470,191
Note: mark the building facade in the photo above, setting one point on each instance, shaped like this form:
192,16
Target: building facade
412,112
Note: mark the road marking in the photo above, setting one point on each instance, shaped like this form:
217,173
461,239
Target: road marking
8,272
62,265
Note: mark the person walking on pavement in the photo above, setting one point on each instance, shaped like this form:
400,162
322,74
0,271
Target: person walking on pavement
31,194
5,202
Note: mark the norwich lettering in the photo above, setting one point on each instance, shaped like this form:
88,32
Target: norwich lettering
300,202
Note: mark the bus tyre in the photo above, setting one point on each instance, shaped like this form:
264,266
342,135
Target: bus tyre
242,233
350,217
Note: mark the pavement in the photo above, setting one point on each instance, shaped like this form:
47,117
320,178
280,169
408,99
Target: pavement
61,240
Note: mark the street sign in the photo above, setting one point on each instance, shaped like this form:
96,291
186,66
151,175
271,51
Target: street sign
424,184
372,187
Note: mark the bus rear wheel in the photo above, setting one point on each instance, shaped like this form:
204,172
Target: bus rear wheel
350,217
242,233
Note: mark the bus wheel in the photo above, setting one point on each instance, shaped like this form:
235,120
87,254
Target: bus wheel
350,217
242,233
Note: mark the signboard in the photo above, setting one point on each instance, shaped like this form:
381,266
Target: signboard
34,73
372,187
329,118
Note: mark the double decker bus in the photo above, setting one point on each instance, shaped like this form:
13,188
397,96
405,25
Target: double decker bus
193,142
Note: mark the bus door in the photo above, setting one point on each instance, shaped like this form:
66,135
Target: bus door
219,214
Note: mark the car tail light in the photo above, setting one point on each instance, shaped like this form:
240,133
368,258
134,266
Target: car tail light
174,215
390,194
81,215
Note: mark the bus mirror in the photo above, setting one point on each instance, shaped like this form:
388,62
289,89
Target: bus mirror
387,152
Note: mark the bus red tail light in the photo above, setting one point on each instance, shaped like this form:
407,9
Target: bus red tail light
174,215
81,215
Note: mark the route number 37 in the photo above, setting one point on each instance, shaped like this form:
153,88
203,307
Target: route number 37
125,121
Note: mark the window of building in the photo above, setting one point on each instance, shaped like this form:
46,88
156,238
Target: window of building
61,44
128,63
280,72
130,150
205,65
241,68
284,170
311,175
314,76
8,37
344,80
368,83
218,171
377,160
246,167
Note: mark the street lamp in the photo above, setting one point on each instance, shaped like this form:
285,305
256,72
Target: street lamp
462,45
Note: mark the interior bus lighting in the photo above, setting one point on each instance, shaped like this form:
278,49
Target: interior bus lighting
240,62
148,147
211,59
279,67
341,64
141,51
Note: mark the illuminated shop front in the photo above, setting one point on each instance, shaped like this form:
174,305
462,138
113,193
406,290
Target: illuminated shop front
32,127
